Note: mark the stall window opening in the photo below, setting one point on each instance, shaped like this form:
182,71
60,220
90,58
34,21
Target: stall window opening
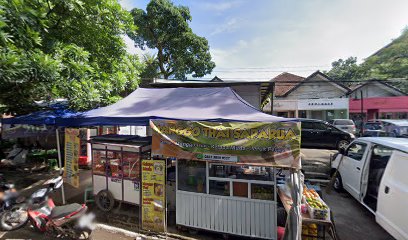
191,176
241,172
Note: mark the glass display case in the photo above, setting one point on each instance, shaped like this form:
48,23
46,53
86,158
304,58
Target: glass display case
116,165
131,165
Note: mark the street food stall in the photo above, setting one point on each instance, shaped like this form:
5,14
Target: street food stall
116,163
226,154
226,172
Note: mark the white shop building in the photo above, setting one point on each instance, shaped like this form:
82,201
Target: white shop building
316,96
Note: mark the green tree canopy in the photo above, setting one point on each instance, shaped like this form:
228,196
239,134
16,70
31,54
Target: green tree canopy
390,62
347,69
71,49
165,27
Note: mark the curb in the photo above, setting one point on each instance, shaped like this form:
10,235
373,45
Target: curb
139,236
118,230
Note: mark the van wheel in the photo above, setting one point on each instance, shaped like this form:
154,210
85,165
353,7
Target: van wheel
338,183
342,144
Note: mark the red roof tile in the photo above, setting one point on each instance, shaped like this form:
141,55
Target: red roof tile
284,82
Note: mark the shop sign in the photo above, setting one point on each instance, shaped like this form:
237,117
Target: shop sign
323,104
213,157
72,148
268,144
153,195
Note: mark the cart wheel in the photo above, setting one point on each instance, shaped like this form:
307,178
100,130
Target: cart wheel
104,200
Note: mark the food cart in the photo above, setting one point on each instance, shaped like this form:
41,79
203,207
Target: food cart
116,168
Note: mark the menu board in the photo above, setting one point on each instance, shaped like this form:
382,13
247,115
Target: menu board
153,195
72,145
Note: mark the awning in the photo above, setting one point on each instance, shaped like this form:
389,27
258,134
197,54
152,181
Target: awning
38,118
194,104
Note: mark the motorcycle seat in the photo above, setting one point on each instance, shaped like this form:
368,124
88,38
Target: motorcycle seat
62,211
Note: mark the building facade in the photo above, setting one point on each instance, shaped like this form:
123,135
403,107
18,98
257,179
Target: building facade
316,96
380,101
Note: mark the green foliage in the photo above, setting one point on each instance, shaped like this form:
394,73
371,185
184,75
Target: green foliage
390,62
165,27
151,69
347,69
64,48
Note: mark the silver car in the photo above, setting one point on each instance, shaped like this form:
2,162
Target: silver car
346,125
395,128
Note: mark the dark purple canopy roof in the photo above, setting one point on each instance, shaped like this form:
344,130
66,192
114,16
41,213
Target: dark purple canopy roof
205,104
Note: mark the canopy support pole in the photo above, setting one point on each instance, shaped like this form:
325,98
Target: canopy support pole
60,165
293,228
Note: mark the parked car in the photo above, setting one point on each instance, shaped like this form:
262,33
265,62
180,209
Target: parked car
321,134
372,129
395,128
344,124
374,171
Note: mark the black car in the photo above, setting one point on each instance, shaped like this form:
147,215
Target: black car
321,134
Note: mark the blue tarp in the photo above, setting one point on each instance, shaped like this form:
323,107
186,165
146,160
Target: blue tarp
47,117
194,104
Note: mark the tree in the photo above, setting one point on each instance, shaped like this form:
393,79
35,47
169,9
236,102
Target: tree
151,69
165,27
347,69
390,62
71,49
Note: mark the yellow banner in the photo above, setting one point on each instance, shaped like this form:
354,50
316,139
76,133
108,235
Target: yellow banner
72,148
153,195
255,143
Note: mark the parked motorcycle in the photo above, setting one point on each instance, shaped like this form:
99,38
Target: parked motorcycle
59,222
12,207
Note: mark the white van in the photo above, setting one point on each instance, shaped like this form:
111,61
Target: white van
375,172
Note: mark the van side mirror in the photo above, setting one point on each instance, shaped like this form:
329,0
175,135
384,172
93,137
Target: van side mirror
342,151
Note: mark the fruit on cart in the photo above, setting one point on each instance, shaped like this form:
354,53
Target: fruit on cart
316,203
310,193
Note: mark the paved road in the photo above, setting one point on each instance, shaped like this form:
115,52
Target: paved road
353,220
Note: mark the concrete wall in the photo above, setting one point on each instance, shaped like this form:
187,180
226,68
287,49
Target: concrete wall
250,93
316,87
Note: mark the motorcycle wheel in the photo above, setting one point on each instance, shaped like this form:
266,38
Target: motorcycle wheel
84,235
14,218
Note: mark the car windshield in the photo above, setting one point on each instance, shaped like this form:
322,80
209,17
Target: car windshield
403,130
343,122
373,126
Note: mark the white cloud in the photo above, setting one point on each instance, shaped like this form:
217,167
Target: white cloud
220,6
229,26
302,43
130,45
128,4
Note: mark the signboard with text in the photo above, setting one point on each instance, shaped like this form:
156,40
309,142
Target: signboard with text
153,195
256,143
72,148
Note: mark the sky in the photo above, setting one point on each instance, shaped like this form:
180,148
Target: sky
255,40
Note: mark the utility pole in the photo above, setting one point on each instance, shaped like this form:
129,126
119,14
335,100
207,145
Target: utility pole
362,111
